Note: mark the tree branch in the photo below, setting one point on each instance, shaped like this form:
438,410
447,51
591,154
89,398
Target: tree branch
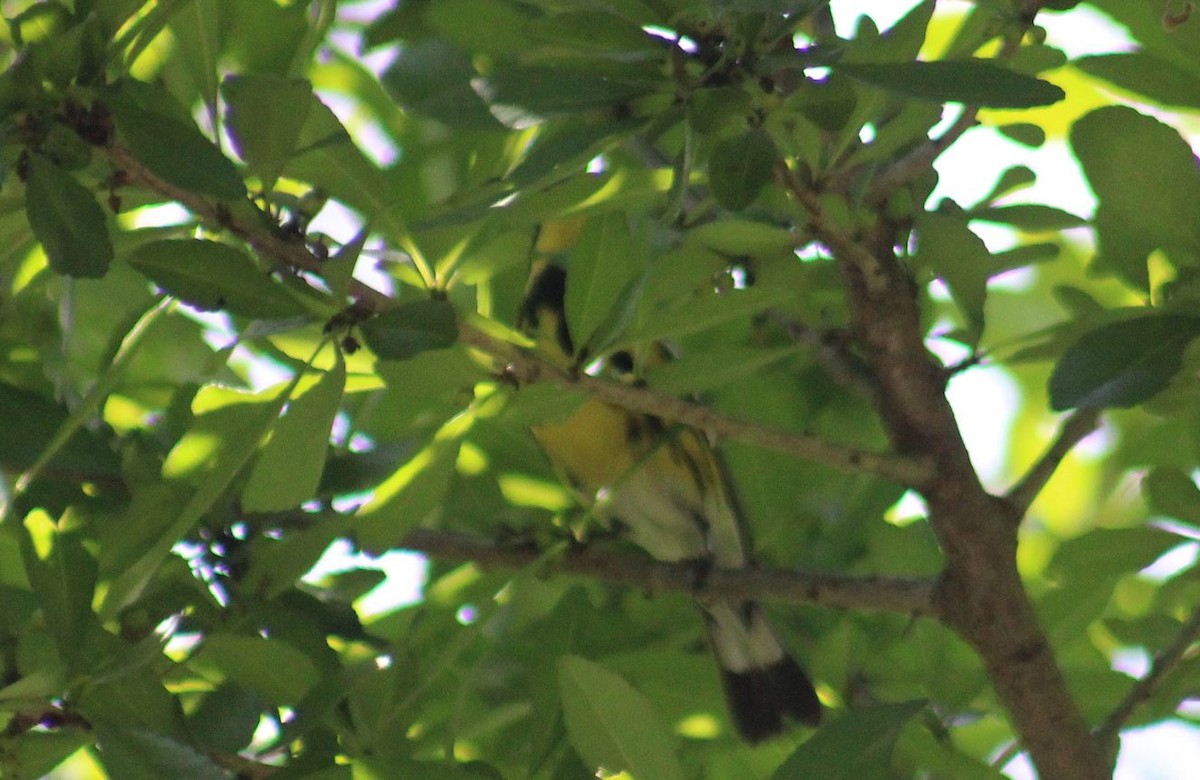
906,596
1164,662
846,368
295,255
1073,430
981,595
528,368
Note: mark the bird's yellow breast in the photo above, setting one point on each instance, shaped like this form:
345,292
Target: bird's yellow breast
591,446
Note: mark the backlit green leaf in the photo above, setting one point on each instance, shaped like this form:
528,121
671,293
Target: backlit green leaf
612,725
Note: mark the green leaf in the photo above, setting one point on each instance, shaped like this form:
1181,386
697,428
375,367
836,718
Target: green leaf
411,328
412,496
432,78
278,564
602,266
265,116
63,576
177,152
973,82
1138,165
1033,217
270,667
289,469
1141,72
714,367
1123,363
140,754
67,221
951,249
707,311
226,718
198,32
1173,493
520,96
737,237
740,167
217,447
35,754
1024,133
211,275
488,26
612,725
30,421
857,746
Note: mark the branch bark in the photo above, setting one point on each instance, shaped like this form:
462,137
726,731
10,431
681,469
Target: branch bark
527,366
1077,426
907,596
981,595
1164,662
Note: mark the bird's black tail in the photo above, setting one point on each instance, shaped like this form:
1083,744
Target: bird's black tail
764,686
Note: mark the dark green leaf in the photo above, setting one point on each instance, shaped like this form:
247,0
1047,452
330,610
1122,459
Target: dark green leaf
520,96
948,246
1140,71
1024,133
278,564
602,266
565,146
433,78
1139,166
275,670
1173,493
714,367
139,754
67,221
853,747
177,152
1016,178
226,718
1029,216
740,167
973,82
1122,363
213,276
30,421
266,114
902,41
411,328
612,725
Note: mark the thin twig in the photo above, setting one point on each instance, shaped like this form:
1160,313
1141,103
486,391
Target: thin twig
1073,430
908,596
528,368
294,254
1164,662
846,368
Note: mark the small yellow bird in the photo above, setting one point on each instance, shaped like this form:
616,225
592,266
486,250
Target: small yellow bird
667,490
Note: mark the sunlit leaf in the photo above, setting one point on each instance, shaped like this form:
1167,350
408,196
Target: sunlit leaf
613,726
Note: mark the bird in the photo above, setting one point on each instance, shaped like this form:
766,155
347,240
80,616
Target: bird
667,490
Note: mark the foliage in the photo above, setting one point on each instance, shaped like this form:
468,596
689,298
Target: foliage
197,403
